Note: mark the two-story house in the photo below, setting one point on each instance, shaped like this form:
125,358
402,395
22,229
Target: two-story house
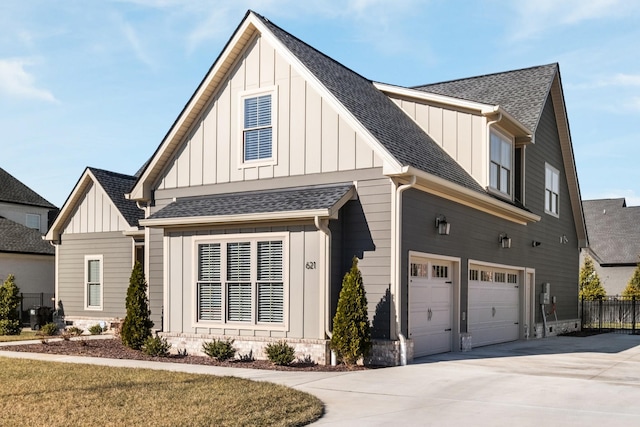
460,199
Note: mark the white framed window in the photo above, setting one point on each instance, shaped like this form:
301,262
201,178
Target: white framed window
33,221
258,119
551,190
93,277
242,280
501,163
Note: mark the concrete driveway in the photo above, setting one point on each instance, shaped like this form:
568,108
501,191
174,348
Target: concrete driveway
557,381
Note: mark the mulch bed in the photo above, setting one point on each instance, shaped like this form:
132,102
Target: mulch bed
114,349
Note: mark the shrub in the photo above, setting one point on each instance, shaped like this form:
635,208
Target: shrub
246,357
590,286
280,353
10,327
95,329
137,324
74,331
9,302
351,338
156,347
633,287
219,349
49,329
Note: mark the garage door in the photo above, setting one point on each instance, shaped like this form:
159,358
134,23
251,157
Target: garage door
430,295
493,305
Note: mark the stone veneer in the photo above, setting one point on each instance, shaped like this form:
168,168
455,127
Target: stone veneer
387,353
556,328
87,322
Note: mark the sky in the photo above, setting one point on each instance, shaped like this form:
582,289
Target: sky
99,83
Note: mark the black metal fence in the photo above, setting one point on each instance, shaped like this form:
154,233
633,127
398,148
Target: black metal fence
30,300
613,314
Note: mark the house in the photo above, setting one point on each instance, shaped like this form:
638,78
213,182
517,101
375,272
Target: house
24,217
97,240
460,199
614,241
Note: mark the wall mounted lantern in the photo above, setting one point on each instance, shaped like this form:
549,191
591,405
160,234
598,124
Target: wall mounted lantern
442,225
505,241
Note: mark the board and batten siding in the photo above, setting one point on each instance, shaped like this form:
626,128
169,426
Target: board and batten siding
462,135
117,252
303,291
310,137
95,214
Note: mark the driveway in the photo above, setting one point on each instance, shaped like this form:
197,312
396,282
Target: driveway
557,381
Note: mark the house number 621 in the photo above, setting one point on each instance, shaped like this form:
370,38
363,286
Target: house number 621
310,265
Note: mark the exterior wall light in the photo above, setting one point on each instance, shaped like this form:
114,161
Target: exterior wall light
442,225
505,241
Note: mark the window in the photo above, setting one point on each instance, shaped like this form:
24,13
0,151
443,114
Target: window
33,221
473,274
257,131
552,190
93,282
241,281
500,163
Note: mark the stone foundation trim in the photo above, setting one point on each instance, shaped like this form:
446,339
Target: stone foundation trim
388,353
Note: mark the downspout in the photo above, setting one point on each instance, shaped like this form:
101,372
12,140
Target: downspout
326,276
395,263
492,122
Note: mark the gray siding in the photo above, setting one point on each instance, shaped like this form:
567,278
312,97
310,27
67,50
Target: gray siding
117,252
156,276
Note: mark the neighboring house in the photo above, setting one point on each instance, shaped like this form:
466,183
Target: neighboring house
614,241
24,217
97,242
460,199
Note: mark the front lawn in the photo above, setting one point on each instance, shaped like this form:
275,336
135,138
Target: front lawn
60,394
26,334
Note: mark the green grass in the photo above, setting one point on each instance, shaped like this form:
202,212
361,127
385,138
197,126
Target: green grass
60,394
25,335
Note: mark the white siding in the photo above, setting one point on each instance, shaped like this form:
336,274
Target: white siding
95,214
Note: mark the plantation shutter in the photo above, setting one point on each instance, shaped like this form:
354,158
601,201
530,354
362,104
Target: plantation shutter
209,284
257,124
270,283
239,282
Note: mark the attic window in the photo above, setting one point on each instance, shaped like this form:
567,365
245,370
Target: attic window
552,190
33,221
258,135
501,164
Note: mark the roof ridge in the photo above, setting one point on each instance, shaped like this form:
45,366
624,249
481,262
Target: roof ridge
123,175
554,64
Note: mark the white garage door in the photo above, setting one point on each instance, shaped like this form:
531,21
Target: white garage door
493,305
430,295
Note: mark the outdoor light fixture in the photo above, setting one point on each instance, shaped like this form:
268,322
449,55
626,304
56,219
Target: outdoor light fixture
505,241
535,243
563,239
442,225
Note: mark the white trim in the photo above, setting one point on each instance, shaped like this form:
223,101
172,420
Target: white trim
88,258
273,160
556,172
505,137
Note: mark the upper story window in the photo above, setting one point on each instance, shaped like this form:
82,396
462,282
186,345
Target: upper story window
33,221
551,190
501,164
258,133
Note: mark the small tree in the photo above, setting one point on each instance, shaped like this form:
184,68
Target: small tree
633,287
9,302
351,338
590,286
137,325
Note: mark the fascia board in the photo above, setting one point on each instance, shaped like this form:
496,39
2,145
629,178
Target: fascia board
230,219
69,206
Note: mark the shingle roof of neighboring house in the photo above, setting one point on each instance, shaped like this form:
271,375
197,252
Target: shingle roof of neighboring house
116,185
18,238
14,191
614,230
254,202
400,135
522,93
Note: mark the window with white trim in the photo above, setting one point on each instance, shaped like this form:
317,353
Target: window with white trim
501,164
241,281
93,281
33,221
551,190
258,120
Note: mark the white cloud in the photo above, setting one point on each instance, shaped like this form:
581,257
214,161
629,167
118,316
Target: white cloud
135,44
17,82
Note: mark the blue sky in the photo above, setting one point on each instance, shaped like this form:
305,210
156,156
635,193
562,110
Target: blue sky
99,83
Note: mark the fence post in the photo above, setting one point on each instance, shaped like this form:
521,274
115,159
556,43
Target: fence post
582,312
600,314
633,316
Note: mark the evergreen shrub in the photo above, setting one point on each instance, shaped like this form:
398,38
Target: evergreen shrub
219,349
137,324
280,353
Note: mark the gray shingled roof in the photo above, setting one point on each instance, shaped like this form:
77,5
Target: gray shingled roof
400,135
253,202
614,230
14,191
116,185
18,238
522,93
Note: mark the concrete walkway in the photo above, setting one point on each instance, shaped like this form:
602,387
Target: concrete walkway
566,381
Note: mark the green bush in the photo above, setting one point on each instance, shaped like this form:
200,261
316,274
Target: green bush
590,286
633,287
156,347
95,329
351,337
137,324
219,349
280,353
50,329
10,327
74,331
